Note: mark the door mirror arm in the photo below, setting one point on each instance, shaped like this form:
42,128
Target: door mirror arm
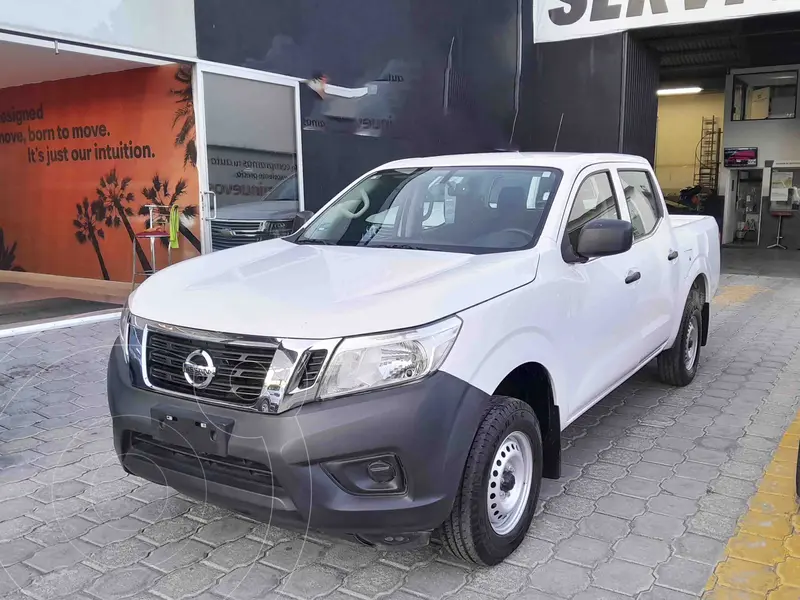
568,253
300,219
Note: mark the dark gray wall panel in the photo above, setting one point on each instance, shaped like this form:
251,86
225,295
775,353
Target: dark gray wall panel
581,80
640,102
404,45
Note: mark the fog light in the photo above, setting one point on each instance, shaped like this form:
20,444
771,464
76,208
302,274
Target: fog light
379,475
381,471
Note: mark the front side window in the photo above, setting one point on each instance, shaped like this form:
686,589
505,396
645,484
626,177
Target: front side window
643,204
466,209
760,96
595,200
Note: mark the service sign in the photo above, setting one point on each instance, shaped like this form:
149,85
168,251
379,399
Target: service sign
557,20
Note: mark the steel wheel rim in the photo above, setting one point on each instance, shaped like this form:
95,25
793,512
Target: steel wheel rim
692,344
510,481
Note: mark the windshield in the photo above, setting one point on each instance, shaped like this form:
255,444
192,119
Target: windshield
285,190
470,209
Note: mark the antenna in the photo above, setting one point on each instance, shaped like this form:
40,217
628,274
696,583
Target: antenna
558,135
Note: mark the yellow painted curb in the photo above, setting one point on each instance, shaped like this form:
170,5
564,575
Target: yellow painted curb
762,560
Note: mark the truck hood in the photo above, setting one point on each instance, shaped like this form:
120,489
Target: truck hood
280,289
259,211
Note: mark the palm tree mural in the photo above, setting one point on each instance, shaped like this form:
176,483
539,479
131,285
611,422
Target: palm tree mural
159,193
8,255
90,217
113,192
184,114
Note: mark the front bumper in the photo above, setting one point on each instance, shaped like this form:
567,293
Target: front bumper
277,468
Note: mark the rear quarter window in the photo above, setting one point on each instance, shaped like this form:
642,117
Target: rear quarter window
644,205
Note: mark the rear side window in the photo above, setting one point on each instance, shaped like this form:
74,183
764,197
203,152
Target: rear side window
643,204
595,200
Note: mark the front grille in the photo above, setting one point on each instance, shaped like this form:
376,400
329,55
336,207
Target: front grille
240,375
230,234
229,470
312,368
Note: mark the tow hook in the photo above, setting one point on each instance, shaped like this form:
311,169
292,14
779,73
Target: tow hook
396,541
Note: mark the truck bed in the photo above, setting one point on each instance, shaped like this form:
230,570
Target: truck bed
698,236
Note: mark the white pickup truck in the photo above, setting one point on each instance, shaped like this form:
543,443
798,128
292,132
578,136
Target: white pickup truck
407,359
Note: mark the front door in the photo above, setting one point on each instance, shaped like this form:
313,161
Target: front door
249,155
599,300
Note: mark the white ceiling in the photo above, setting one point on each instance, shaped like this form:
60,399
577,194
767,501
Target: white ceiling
21,64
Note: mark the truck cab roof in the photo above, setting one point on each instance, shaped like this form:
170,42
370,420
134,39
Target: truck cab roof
561,160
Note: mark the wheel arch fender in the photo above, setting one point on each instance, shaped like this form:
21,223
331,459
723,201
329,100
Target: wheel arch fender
498,357
696,276
522,365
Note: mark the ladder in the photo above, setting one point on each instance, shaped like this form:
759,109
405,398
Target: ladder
706,167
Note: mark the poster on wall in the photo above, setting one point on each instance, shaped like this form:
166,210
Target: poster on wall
783,195
80,160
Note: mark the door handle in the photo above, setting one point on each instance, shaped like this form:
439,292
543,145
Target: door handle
214,204
672,255
633,276
212,196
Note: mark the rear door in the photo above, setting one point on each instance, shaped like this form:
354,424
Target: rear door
656,257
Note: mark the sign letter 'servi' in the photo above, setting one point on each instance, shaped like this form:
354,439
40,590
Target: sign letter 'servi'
557,20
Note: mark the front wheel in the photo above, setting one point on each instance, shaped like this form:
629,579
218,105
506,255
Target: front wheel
678,365
500,486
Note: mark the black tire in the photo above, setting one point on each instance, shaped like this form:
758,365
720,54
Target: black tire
672,367
797,475
467,533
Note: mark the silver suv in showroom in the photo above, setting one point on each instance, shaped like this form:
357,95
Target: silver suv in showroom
271,217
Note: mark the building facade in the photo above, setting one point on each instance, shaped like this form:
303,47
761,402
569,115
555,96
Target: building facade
127,105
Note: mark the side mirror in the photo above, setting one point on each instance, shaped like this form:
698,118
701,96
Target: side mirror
605,237
301,219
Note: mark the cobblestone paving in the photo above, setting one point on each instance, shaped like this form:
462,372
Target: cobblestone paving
654,482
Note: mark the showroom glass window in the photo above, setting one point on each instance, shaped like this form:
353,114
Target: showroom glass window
762,96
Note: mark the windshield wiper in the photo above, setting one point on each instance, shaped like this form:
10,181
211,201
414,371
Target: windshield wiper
398,246
315,242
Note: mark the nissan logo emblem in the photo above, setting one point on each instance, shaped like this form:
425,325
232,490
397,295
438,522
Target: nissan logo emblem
199,369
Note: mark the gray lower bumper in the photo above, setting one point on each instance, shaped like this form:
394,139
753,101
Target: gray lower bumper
428,426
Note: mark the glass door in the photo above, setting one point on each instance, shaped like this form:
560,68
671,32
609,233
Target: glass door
249,155
748,207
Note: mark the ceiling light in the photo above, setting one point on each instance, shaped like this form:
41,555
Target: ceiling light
680,91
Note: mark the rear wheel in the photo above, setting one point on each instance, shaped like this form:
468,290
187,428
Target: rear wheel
678,365
500,486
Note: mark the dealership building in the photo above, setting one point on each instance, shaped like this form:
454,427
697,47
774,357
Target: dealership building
112,114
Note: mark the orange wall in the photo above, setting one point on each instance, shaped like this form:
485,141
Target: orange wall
44,176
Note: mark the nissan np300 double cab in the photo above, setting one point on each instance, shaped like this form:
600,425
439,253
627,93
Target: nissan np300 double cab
407,360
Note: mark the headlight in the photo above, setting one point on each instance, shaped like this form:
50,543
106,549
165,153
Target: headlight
378,361
124,326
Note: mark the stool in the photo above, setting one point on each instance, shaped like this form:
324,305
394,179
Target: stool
779,237
152,235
